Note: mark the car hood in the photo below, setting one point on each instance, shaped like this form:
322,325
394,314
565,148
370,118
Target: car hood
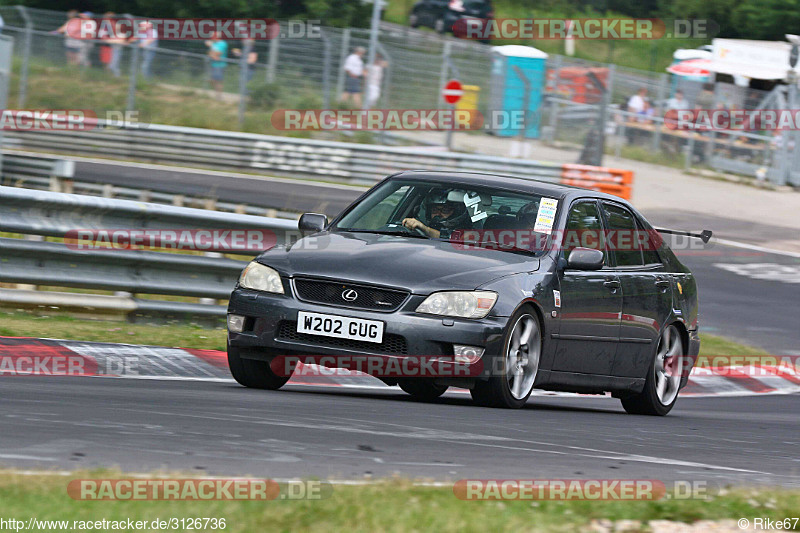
417,265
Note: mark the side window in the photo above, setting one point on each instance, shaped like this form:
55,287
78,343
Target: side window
650,253
584,228
651,243
623,235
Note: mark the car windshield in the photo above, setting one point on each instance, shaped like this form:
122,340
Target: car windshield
473,217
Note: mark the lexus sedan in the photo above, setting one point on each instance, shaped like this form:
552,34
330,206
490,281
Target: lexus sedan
507,284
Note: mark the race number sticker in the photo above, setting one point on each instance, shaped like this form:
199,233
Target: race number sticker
474,207
557,298
546,216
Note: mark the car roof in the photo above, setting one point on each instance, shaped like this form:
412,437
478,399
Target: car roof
506,181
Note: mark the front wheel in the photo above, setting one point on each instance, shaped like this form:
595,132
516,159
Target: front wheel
422,389
254,374
514,373
663,381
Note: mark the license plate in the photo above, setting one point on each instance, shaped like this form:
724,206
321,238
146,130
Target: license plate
341,327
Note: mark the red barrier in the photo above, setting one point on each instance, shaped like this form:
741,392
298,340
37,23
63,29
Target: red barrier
608,180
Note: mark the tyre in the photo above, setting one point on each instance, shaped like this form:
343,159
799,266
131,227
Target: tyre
254,374
422,389
513,373
661,386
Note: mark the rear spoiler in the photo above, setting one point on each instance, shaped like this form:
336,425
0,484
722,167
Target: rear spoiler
704,235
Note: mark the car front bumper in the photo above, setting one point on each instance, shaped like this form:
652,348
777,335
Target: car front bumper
271,319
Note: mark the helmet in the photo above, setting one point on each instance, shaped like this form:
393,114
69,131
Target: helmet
527,214
441,197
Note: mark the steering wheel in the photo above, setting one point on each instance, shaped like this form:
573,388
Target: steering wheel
392,226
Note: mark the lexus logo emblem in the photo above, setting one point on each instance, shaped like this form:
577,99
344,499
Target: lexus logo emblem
349,295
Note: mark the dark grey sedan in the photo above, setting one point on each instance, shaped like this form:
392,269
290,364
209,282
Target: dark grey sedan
496,284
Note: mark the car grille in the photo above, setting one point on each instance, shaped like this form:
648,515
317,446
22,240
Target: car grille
366,297
392,344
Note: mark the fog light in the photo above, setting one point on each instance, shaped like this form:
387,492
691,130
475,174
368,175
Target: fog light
235,323
467,354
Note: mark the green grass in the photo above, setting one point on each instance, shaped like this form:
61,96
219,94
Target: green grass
56,86
187,335
61,326
653,55
393,505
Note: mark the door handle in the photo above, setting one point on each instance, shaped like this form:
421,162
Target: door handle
611,284
662,284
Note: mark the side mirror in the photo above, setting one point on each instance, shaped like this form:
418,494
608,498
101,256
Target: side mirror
312,222
585,259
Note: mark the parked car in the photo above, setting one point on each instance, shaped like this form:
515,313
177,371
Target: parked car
441,15
518,283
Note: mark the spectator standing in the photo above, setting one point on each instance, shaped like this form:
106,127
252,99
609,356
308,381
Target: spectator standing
705,100
637,104
374,80
354,72
247,51
218,52
115,43
148,44
677,102
88,26
104,35
72,46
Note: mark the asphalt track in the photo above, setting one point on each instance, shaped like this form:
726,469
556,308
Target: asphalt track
220,428
755,311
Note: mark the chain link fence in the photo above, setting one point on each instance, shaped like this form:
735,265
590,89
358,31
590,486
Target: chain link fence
307,73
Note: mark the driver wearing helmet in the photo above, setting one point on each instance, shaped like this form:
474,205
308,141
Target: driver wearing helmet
442,216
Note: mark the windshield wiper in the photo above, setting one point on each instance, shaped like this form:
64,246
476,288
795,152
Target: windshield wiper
385,232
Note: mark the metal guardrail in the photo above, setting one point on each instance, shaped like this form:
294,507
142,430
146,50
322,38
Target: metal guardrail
50,214
46,173
281,156
285,156
37,170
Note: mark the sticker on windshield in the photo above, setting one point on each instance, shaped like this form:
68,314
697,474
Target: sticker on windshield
546,216
474,207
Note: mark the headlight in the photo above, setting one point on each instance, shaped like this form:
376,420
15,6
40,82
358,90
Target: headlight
463,304
261,278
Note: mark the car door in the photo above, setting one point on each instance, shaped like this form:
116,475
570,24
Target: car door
646,290
591,301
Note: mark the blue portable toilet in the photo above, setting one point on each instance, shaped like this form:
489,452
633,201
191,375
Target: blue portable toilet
508,89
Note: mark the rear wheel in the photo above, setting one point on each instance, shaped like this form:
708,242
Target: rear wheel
663,381
422,389
513,373
254,374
